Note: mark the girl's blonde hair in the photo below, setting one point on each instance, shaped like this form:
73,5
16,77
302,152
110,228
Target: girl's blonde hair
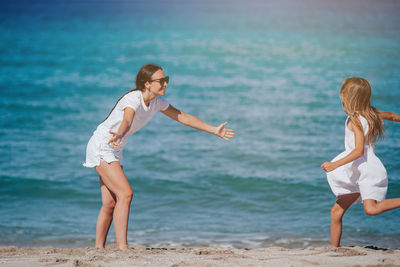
355,94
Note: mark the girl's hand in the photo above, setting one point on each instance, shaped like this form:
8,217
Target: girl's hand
389,116
328,166
225,134
115,140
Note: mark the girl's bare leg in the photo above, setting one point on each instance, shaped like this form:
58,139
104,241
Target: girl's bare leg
339,208
371,207
105,217
115,180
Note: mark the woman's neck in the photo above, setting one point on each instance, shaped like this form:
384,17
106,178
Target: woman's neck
147,97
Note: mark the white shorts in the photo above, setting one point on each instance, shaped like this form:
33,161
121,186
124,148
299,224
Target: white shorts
97,149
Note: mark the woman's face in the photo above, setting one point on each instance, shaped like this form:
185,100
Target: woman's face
158,84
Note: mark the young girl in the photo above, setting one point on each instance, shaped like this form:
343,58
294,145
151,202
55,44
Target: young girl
357,173
104,150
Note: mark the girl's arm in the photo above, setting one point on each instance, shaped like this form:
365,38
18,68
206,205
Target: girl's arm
129,113
357,152
389,116
192,121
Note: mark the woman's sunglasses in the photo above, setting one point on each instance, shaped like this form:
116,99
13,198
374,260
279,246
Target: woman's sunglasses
161,80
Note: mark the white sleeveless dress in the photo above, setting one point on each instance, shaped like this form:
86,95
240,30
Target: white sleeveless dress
365,175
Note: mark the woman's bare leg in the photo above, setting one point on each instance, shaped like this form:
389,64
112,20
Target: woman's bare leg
115,180
339,208
371,207
105,217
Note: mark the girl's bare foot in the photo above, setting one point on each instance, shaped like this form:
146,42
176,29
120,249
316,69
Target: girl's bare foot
123,247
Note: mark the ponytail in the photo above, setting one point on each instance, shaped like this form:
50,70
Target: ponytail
117,103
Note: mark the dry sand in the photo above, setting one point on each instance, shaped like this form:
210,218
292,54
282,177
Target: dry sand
197,256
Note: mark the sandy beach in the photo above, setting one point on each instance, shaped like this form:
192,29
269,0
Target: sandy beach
198,256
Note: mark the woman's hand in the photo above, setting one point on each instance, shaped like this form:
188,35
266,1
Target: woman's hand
115,140
225,134
329,166
192,121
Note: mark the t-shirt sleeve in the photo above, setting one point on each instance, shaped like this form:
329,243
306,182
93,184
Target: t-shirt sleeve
162,103
129,101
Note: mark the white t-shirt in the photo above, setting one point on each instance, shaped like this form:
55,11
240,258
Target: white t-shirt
143,114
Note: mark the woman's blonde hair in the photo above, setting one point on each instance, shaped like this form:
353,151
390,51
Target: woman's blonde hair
355,94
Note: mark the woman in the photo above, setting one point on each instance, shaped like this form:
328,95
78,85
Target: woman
104,150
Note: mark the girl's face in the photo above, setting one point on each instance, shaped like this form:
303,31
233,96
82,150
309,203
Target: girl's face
343,107
158,83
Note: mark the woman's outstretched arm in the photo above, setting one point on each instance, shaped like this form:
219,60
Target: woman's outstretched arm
389,116
196,123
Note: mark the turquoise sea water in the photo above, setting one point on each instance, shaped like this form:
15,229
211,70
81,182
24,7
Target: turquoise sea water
272,69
